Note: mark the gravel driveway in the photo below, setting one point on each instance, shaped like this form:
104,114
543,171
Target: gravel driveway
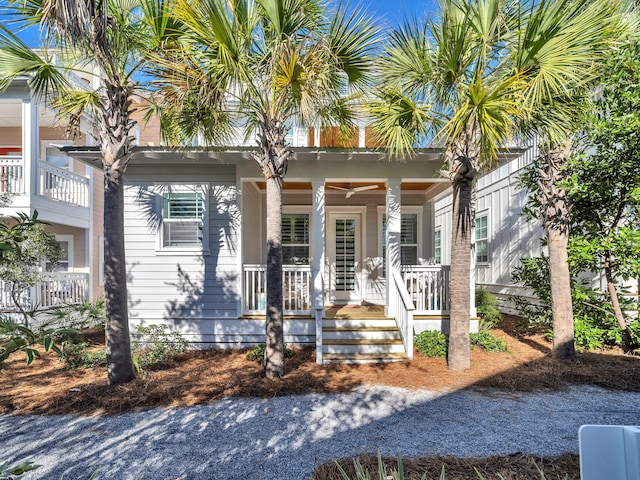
285,437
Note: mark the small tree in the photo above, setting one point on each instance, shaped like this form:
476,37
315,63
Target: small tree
25,245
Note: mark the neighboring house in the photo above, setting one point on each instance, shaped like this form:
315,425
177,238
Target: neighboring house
67,194
357,229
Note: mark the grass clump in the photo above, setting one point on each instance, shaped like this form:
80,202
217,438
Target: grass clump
431,343
256,354
488,341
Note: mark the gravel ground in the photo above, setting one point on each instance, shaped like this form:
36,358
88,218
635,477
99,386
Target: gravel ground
285,437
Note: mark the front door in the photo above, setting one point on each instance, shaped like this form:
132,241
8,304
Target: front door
344,256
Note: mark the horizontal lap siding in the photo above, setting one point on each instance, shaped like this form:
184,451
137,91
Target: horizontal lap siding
174,287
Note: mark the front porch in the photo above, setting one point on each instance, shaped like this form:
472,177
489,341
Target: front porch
352,244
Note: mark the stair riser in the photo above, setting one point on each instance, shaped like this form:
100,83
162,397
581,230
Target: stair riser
363,348
358,323
355,335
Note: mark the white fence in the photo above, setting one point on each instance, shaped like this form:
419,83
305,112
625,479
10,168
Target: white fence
296,287
56,289
63,185
428,288
11,175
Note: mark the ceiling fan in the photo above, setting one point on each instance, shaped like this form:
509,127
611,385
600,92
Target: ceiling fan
353,190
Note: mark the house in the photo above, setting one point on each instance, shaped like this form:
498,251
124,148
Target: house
358,230
67,194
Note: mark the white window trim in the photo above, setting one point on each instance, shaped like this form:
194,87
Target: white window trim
416,209
301,209
44,144
435,258
480,214
163,188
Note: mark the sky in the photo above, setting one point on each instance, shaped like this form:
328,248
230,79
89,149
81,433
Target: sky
393,11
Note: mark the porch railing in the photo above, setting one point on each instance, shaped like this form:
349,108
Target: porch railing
55,290
404,312
11,174
296,286
63,185
428,288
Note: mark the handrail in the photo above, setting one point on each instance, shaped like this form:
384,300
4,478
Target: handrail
428,286
55,289
11,174
60,184
404,312
297,289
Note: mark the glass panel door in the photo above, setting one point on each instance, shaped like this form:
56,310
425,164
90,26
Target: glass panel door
344,256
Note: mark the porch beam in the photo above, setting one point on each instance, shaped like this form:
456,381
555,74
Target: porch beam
393,214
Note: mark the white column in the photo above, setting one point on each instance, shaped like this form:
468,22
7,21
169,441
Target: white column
393,212
30,140
317,259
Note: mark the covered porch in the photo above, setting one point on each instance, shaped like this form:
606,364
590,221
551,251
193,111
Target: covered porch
359,242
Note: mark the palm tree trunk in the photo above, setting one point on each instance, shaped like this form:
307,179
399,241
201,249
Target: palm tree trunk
274,335
556,224
459,346
118,343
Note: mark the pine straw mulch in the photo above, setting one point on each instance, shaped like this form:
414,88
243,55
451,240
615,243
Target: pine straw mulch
198,377
506,467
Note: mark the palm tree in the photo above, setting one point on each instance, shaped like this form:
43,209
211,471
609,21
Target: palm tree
109,39
448,77
264,65
561,53
483,71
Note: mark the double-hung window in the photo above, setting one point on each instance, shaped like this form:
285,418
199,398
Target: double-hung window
482,239
437,246
295,239
183,215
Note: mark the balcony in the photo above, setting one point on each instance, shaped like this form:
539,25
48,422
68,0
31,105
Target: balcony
57,289
54,183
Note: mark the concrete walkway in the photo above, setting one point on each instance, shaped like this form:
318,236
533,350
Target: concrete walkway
284,438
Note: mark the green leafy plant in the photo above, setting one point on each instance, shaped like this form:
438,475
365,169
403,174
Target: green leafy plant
76,355
19,338
154,344
362,474
10,472
431,343
488,341
486,308
256,354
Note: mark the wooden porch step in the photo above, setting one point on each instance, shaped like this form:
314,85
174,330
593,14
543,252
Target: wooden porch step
361,341
363,357
356,328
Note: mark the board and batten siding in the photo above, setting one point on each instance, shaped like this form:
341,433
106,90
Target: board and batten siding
510,236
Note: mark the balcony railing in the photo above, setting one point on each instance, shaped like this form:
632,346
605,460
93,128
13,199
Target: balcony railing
63,185
11,174
428,287
296,287
55,290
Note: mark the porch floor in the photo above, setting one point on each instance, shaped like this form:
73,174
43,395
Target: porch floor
355,312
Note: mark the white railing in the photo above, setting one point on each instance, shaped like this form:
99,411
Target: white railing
404,312
63,185
55,290
296,287
11,174
428,288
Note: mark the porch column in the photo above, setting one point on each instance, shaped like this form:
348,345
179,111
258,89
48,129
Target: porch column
317,259
472,274
30,139
393,212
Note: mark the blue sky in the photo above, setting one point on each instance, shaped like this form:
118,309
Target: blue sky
394,11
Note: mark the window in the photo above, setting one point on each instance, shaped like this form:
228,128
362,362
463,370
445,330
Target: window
65,262
409,239
183,212
295,239
437,246
482,239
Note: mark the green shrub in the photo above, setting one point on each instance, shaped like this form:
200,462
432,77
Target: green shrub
256,354
155,344
431,343
75,355
487,340
486,308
